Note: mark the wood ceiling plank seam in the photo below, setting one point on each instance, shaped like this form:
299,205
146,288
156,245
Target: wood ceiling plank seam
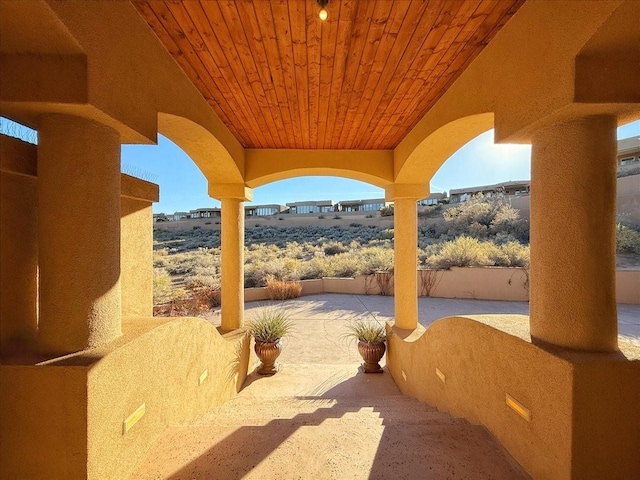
174,32
280,13
236,29
401,82
220,78
313,32
400,51
374,34
446,71
270,45
384,64
413,47
165,39
327,56
249,20
343,44
360,33
446,12
408,88
298,26
493,27
227,57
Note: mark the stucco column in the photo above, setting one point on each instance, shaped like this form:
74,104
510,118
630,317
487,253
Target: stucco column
405,227
573,217
78,233
232,198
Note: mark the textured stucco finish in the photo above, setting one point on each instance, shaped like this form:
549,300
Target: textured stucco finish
79,233
405,223
43,422
583,406
70,410
573,241
136,257
232,263
18,249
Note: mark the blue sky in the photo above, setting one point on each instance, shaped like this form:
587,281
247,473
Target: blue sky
183,187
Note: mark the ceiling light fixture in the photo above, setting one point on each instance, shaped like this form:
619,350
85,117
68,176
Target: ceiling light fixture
323,14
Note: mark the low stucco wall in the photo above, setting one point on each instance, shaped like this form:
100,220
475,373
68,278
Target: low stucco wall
628,286
486,283
583,407
481,283
70,411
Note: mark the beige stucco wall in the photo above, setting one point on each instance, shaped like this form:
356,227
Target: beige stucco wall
628,286
43,422
487,283
136,257
481,283
71,410
161,368
18,244
486,357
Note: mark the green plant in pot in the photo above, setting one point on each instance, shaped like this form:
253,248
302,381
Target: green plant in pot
268,327
371,338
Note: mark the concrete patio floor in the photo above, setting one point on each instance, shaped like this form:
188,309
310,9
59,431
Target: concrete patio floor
320,417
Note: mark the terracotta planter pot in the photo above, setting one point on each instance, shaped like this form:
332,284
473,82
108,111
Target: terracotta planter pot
268,353
371,353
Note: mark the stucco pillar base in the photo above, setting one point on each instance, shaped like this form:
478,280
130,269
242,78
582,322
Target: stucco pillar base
573,215
405,225
78,234
232,253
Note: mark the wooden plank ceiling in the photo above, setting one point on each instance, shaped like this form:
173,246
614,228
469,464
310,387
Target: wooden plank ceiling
279,77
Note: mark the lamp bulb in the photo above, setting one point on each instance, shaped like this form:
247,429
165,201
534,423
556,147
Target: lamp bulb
323,14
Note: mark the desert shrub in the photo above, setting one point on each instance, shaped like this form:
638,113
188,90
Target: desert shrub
345,266
337,217
370,215
627,239
386,211
386,234
628,173
207,223
430,211
482,218
375,259
514,254
161,285
334,248
317,267
355,225
470,252
463,252
281,290
203,281
194,302
321,217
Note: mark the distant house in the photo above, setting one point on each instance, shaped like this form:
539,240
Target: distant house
499,189
628,154
320,206
263,210
434,199
371,205
181,216
206,212
161,217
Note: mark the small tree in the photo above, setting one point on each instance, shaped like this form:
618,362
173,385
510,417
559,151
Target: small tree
386,211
